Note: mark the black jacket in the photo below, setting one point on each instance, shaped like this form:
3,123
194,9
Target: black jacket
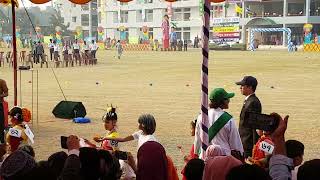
249,136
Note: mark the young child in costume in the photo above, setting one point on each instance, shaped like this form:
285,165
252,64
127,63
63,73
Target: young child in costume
17,134
260,157
110,122
191,155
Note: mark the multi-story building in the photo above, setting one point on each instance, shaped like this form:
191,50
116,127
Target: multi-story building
79,16
130,19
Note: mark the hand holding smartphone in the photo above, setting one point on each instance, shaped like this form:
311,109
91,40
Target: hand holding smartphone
259,121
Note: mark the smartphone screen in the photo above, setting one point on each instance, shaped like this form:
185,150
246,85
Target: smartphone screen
260,121
64,142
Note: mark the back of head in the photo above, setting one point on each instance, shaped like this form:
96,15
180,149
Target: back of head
28,149
194,169
42,171
219,166
110,166
90,163
56,162
310,170
294,148
16,112
17,165
247,172
148,123
152,161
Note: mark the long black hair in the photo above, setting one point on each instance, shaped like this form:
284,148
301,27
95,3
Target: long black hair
16,112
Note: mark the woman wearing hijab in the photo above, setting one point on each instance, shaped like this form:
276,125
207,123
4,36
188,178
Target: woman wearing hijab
218,163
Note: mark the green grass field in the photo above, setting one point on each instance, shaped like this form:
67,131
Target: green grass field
126,84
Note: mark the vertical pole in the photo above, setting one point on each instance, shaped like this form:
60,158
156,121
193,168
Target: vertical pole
37,98
204,81
20,93
32,97
14,43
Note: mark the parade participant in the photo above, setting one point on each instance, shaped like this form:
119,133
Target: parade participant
119,49
185,45
222,128
3,108
249,136
86,48
51,48
147,126
56,51
94,47
76,50
65,51
17,134
39,52
165,32
259,157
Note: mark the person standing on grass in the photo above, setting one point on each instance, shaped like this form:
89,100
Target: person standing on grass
119,49
185,45
249,137
39,52
3,108
222,128
94,47
51,49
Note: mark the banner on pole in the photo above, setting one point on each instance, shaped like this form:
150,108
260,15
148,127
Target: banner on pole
201,9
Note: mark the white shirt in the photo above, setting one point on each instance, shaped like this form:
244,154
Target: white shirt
142,138
93,47
247,97
56,48
76,46
85,47
127,171
228,137
51,45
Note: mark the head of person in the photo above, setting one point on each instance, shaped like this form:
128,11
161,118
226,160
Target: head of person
51,40
109,166
90,163
42,171
247,172
295,151
84,42
118,41
39,42
92,41
110,119
16,115
194,169
54,42
147,124
76,40
166,17
215,150
28,149
56,162
172,29
18,165
248,85
220,98
309,170
193,127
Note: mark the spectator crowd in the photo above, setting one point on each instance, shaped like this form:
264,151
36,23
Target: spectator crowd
233,153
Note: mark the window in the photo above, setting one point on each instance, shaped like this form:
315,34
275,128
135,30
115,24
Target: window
85,33
149,15
115,17
315,8
94,20
85,20
217,11
85,7
182,14
139,16
183,33
99,17
74,19
150,33
99,3
124,16
123,3
296,9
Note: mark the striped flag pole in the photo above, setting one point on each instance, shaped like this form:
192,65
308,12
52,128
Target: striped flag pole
204,83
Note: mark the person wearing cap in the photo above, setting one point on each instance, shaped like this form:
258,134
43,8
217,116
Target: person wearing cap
222,129
249,137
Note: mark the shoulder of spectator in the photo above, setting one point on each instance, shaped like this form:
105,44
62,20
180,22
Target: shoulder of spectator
281,160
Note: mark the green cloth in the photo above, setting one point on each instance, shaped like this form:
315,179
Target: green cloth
218,124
